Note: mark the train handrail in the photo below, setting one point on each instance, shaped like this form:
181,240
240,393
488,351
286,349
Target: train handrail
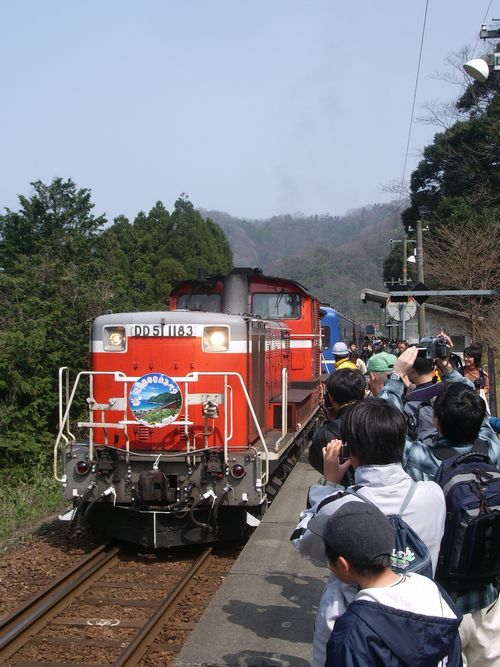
64,420
284,408
121,377
64,384
252,412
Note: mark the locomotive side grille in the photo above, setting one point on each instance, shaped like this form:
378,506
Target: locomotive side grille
317,364
318,344
143,432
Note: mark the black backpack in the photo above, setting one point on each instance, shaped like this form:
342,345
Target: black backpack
420,421
470,549
410,554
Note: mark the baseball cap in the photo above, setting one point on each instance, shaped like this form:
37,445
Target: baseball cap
340,349
383,362
358,531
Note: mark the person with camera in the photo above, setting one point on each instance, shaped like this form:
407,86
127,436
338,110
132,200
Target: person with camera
343,388
373,432
455,423
418,401
462,421
473,370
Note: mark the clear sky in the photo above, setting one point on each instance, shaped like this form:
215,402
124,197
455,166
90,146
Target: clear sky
255,107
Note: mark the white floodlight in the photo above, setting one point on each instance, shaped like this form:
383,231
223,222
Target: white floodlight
478,69
411,259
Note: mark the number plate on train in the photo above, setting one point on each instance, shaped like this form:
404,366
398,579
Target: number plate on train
163,330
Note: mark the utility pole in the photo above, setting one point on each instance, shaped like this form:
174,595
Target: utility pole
419,257
405,282
402,281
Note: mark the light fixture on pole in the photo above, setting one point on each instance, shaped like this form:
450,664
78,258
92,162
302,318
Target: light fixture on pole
479,68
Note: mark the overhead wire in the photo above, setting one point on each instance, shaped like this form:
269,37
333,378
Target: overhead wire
413,103
482,23
415,93
454,111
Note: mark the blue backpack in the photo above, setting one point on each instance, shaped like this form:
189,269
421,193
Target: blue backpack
470,549
410,554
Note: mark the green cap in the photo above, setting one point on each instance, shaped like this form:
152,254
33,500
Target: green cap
383,362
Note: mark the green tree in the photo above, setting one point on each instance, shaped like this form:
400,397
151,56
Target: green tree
54,278
462,162
162,249
59,270
455,191
196,242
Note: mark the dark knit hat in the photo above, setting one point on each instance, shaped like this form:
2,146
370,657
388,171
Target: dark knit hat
357,531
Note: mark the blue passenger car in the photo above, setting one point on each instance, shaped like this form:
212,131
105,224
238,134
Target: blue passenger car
335,327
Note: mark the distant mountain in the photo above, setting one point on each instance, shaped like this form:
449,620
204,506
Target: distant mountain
334,257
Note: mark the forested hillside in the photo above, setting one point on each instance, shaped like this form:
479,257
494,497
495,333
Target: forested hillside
334,257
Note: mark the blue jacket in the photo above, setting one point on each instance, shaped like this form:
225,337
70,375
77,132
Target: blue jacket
370,634
495,424
418,458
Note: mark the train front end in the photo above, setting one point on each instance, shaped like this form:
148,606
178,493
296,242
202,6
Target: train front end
169,429
190,415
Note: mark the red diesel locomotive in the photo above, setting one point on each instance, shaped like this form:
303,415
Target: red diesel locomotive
195,413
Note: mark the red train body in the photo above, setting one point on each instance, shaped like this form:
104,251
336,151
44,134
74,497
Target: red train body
195,412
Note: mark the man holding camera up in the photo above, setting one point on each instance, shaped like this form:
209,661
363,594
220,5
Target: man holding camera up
452,424
460,416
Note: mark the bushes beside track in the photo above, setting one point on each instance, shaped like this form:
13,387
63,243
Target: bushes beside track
28,496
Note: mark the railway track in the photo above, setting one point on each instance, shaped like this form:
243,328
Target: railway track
111,607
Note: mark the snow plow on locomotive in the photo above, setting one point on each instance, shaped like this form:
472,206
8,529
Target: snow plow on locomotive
194,414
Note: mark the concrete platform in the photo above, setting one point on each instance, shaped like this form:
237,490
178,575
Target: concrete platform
263,614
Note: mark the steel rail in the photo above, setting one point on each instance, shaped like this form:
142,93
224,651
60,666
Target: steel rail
23,621
141,642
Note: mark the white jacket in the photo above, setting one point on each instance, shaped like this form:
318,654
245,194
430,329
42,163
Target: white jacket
386,486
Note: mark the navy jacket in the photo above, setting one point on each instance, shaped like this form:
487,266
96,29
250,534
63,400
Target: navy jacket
370,634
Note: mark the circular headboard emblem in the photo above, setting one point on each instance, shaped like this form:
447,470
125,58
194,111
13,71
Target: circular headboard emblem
155,399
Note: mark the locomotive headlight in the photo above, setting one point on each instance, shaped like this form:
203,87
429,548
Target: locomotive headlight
114,339
216,339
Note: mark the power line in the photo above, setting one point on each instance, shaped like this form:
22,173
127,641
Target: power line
483,22
413,104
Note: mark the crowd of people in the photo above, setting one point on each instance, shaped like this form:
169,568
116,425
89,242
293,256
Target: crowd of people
395,430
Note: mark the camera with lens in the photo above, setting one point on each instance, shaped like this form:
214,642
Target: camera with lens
433,347
479,382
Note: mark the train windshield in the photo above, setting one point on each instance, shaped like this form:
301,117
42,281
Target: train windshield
208,303
276,305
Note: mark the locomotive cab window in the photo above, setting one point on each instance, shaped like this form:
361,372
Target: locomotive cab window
209,303
276,305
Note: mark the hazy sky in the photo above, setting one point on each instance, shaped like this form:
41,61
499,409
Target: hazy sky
254,107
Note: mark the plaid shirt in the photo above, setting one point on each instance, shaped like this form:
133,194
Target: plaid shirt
420,463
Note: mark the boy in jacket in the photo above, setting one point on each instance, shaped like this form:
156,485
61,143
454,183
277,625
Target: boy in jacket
374,433
395,619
